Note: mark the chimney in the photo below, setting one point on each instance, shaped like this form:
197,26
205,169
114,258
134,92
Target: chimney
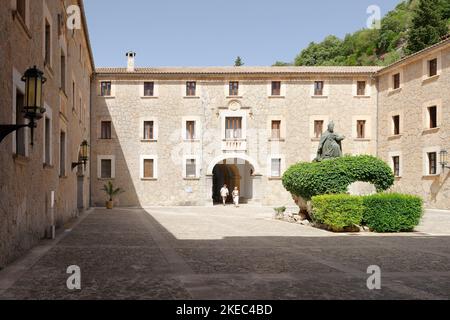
130,66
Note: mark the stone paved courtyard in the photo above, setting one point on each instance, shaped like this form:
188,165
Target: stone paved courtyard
227,253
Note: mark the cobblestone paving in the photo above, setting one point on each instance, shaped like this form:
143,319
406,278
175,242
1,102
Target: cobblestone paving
227,253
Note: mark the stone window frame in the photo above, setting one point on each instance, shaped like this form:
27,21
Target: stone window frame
184,89
398,154
368,127
155,129
48,115
113,89
283,130
426,115
155,89
155,167
197,167
391,80
368,90
99,166
425,67
62,170
391,116
241,90
18,85
24,21
312,120
47,18
282,159
325,91
282,89
198,128
233,114
426,166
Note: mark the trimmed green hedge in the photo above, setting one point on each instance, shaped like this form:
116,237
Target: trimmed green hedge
392,212
333,176
337,212
385,212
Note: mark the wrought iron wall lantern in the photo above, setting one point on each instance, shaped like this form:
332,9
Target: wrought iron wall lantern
33,105
443,159
83,155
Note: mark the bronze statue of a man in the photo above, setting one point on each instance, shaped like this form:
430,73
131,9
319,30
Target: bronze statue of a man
330,144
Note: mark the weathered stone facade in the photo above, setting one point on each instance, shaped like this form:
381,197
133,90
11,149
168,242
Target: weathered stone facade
297,108
416,138
27,180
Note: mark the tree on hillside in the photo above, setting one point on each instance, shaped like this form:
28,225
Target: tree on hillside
238,62
428,26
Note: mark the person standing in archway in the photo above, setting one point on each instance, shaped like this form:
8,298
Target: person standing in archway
224,193
235,195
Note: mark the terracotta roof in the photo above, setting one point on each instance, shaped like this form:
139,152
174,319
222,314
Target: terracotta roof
242,70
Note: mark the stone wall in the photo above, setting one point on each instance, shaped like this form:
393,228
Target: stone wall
410,102
297,110
25,182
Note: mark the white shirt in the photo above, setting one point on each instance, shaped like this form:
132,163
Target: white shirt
224,192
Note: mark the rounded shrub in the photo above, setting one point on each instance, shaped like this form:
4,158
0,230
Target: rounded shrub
334,176
392,212
338,212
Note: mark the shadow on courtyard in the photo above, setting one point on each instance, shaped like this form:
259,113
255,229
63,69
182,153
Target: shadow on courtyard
128,254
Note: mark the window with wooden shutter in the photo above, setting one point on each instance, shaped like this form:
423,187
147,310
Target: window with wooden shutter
106,168
396,80
149,130
361,129
190,130
396,161
149,169
149,89
191,168
361,88
234,88
432,163
47,43
191,87
233,128
105,88
396,122
276,168
276,129
276,88
432,67
318,128
432,113
106,130
21,8
318,88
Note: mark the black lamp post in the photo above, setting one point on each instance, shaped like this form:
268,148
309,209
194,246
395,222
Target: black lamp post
33,110
443,159
84,155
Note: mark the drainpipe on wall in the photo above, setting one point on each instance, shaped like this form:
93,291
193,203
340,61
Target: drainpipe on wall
377,122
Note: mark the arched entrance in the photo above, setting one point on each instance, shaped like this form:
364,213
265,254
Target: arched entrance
234,170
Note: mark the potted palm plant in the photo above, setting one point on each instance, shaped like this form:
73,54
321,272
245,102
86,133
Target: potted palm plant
111,192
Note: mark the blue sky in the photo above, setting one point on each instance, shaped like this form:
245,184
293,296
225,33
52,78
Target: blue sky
215,32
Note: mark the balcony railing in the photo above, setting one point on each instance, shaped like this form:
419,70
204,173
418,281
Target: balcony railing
234,145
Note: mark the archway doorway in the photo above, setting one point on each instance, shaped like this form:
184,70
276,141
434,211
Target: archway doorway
234,173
